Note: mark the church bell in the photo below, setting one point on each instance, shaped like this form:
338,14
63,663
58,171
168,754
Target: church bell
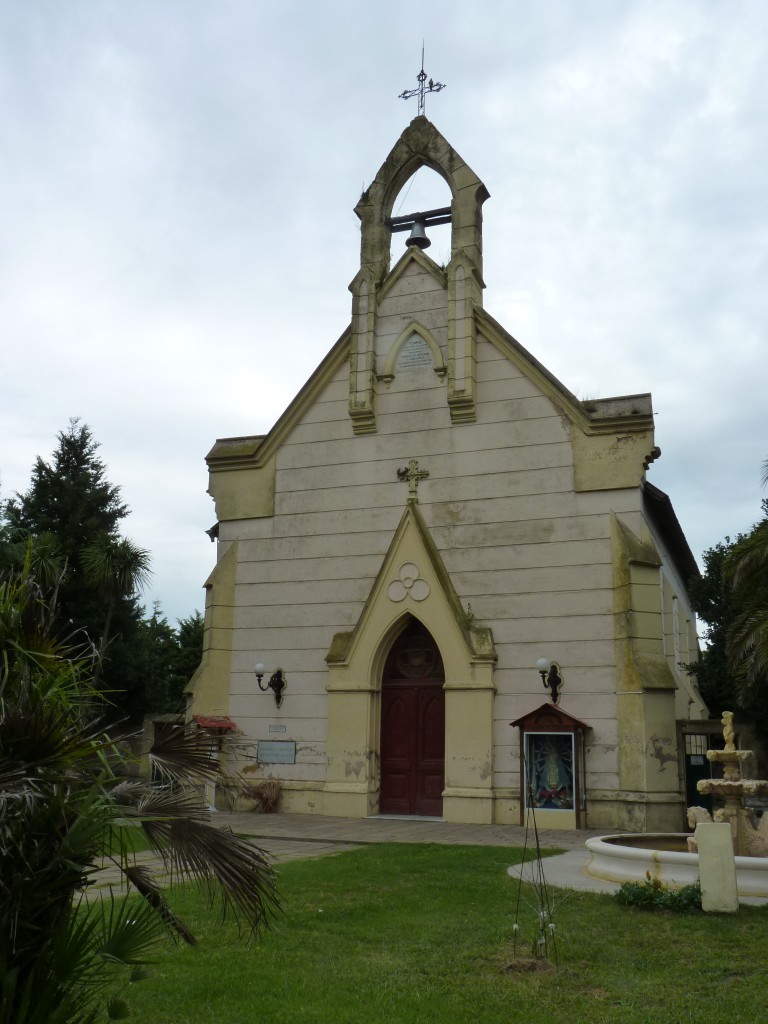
418,236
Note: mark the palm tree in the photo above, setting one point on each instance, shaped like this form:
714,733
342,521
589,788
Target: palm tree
66,803
747,571
748,636
40,552
119,569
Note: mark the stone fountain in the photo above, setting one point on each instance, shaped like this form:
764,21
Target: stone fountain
750,837
672,857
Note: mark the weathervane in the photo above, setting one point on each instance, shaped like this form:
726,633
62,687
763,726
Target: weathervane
422,88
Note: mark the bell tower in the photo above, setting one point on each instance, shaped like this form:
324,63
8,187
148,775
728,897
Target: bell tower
420,145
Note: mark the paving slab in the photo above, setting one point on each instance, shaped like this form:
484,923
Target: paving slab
287,837
265,828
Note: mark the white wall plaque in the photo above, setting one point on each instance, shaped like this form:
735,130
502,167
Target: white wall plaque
414,354
277,752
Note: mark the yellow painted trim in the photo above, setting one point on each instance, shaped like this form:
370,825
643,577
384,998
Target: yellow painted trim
244,492
412,583
209,686
645,687
554,819
411,539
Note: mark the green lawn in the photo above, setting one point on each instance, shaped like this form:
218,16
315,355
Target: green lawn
422,934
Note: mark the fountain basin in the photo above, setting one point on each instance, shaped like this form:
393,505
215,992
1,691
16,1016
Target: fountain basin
627,858
734,789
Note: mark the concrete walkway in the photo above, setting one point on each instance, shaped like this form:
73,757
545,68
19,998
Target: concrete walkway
287,837
282,834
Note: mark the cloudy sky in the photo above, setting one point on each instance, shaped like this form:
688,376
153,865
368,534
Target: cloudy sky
178,177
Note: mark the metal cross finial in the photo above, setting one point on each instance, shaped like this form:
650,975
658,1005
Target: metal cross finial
430,86
413,475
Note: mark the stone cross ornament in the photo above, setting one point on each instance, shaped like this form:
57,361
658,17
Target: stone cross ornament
413,475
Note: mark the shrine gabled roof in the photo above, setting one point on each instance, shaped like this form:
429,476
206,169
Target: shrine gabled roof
550,714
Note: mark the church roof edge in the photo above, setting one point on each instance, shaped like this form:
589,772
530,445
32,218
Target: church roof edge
602,415
659,507
255,450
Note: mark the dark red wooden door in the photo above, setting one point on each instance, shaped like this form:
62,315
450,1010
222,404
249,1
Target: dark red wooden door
413,727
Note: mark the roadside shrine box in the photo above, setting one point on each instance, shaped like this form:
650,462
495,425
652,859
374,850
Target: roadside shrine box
552,767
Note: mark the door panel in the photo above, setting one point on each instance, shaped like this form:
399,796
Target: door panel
413,727
397,717
430,752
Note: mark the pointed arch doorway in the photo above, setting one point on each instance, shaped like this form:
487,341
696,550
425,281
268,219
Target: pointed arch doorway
412,746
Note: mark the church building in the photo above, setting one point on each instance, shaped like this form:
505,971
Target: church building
444,586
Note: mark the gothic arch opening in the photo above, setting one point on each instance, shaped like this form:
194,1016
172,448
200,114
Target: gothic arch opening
424,190
412,731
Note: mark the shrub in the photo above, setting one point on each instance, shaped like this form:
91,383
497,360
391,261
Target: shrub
268,795
652,894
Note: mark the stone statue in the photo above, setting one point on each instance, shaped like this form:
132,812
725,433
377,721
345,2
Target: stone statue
728,733
750,832
754,835
753,830
696,815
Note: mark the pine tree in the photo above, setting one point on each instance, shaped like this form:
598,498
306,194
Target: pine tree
189,655
70,497
159,651
72,505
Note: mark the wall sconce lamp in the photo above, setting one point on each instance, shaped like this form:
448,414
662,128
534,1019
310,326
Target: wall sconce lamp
550,677
277,682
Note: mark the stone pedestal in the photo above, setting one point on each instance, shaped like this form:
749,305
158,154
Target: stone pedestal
717,868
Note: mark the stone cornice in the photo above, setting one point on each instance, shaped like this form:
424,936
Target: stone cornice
624,413
254,451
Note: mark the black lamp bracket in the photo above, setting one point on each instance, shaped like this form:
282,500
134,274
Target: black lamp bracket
277,684
552,681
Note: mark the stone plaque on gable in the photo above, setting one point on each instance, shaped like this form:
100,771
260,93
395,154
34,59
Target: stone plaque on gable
277,752
414,355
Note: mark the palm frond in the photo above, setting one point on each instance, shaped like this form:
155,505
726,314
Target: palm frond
747,566
141,879
128,792
117,566
76,962
161,806
227,865
130,931
168,803
182,755
748,648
